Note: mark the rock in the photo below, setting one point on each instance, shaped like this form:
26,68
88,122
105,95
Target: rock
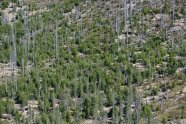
33,103
121,37
89,122
83,15
158,18
107,109
176,29
180,70
74,11
179,25
139,66
8,16
17,106
82,55
184,91
7,116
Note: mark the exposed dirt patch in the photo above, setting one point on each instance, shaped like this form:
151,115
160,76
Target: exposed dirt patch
7,71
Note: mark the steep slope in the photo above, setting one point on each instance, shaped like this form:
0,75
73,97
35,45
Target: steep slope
109,61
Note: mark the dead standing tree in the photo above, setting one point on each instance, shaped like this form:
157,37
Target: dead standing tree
14,58
126,20
128,108
137,109
56,44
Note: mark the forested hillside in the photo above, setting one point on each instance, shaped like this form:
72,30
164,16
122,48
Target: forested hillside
92,62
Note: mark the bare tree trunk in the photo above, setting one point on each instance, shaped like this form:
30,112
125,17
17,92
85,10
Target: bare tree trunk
137,109
173,12
75,97
23,66
131,12
161,12
87,92
113,107
128,108
14,57
117,22
5,79
56,42
126,21
53,106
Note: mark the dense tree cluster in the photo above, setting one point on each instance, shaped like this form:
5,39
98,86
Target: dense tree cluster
78,68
